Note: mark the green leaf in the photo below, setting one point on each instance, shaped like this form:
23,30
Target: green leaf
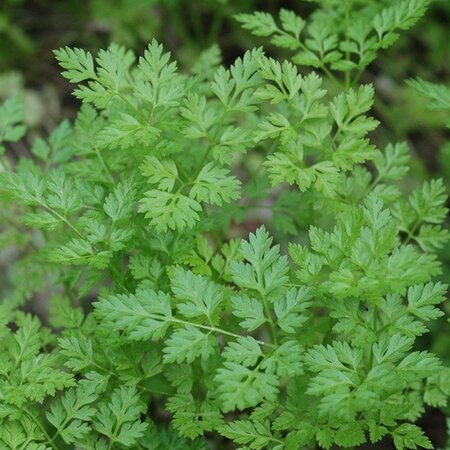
119,419
418,365
78,352
28,372
241,387
431,237
161,85
188,344
70,413
119,204
259,23
291,22
235,87
290,309
164,172
245,351
376,431
325,438
78,252
411,436
208,62
392,349
197,295
126,132
169,211
255,434
286,361
346,107
27,188
215,185
144,315
249,309
78,64
11,119
350,435
422,299
428,202
266,271
113,66
438,95
402,15
192,418
275,125
392,164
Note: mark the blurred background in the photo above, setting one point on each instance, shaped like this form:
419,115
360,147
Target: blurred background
31,29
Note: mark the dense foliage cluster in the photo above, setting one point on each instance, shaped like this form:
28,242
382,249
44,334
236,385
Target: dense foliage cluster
122,224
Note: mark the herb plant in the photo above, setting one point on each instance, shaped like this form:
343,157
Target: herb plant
121,224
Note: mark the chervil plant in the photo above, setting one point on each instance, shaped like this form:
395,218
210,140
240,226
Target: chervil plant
121,228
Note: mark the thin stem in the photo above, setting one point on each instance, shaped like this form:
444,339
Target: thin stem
117,276
347,54
102,162
211,143
197,325
324,68
60,217
270,319
113,374
131,106
412,231
374,183
202,162
42,429
357,77
112,438
211,328
125,100
332,77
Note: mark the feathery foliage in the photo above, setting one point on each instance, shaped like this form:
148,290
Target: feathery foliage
122,222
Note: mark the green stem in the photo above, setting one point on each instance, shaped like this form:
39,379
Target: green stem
42,429
412,231
63,219
202,162
357,77
117,277
198,325
125,100
131,106
347,54
270,319
211,143
102,162
113,374
374,183
333,78
213,329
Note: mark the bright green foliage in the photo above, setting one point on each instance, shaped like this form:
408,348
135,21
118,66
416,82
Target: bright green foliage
341,36
438,95
123,222
437,98
11,116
